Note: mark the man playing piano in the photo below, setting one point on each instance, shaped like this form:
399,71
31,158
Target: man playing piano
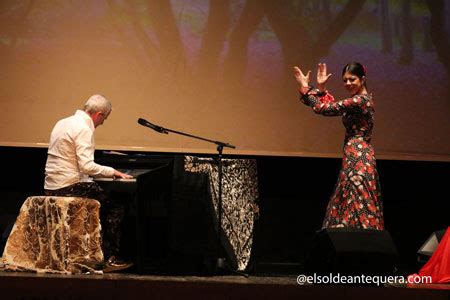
70,167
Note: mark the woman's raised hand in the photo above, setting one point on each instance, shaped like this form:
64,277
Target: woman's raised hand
322,76
301,78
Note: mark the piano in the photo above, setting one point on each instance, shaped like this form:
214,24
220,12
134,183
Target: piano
147,197
172,217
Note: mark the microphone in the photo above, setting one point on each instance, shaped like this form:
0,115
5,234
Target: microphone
146,123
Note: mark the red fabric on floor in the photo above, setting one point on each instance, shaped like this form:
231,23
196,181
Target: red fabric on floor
438,267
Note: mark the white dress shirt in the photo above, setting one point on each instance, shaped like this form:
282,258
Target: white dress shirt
71,153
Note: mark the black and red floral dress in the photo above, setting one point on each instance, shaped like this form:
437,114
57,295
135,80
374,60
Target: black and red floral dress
356,200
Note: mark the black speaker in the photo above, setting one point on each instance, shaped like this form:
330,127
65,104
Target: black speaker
430,245
352,251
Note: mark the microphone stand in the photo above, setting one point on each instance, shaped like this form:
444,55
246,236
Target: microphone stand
220,145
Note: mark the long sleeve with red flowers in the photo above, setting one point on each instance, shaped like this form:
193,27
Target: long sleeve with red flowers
325,105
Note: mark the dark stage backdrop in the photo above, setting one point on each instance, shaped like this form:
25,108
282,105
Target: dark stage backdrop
222,69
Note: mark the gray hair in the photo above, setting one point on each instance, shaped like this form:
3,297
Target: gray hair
97,103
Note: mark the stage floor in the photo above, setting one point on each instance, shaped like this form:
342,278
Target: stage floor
21,285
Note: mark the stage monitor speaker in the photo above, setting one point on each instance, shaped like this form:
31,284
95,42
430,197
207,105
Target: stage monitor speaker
430,245
352,251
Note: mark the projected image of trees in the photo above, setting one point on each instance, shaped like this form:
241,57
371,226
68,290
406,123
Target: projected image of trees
224,67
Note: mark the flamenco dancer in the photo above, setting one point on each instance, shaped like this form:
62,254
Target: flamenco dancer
356,200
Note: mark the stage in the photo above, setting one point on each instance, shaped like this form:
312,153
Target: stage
282,238
21,285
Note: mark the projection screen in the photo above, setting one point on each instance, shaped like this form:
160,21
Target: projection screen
222,69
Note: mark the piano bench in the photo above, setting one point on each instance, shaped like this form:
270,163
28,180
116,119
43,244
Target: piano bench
55,235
